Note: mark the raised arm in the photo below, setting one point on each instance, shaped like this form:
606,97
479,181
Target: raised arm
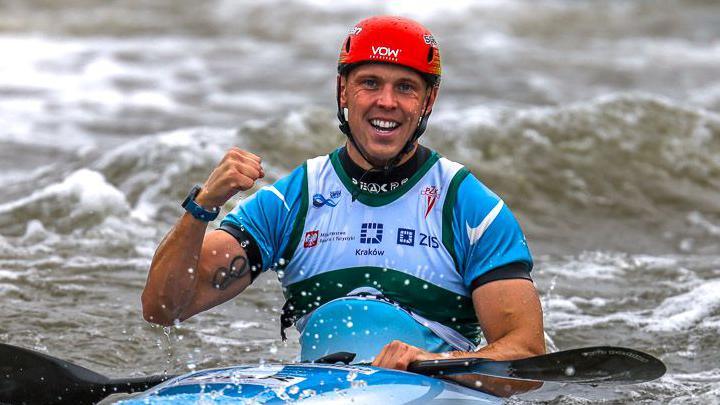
191,271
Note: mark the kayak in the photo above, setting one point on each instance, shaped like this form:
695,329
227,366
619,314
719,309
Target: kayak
309,384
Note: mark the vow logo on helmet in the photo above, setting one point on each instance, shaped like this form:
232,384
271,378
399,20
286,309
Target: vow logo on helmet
385,51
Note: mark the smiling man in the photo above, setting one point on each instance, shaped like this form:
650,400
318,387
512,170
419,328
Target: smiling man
383,247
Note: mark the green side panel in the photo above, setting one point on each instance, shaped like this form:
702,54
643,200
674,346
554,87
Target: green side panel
448,237
423,298
378,200
299,224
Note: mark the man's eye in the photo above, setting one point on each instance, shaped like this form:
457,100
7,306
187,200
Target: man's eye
369,83
406,87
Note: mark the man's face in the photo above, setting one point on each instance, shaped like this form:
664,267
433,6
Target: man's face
384,106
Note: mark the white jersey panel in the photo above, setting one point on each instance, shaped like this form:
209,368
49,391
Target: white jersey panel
403,235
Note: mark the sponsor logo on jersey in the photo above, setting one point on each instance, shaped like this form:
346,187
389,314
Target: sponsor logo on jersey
355,30
319,200
430,40
375,188
371,233
311,239
430,194
406,237
339,236
369,252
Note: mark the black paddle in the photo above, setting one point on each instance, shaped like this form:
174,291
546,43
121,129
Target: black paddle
602,364
29,377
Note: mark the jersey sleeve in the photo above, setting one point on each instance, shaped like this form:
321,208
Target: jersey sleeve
487,235
269,215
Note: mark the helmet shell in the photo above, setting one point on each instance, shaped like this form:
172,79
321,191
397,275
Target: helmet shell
395,40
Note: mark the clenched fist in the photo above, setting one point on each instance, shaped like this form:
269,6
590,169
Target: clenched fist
238,170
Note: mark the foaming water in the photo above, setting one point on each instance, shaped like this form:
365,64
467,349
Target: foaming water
603,139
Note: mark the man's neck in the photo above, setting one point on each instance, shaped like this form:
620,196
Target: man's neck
376,182
360,161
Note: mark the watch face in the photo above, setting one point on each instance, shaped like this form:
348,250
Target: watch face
191,195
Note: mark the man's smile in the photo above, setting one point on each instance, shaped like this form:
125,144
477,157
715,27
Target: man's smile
384,127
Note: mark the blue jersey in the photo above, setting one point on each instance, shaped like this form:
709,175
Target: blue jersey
421,245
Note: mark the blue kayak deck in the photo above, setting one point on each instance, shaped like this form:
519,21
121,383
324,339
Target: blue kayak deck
308,384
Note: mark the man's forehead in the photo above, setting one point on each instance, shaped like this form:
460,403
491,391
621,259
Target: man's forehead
386,70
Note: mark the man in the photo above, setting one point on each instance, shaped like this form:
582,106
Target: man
382,238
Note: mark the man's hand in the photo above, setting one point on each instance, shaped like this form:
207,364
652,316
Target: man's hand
237,172
399,355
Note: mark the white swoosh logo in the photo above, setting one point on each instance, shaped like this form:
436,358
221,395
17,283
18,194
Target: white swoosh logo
279,195
475,233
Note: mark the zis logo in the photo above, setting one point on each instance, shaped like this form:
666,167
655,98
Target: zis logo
311,239
319,200
371,232
431,194
406,237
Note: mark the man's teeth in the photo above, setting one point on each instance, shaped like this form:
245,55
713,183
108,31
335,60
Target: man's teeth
384,124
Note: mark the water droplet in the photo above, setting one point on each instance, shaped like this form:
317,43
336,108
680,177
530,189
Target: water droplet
425,286
349,324
351,376
339,285
191,270
273,349
358,384
406,282
294,389
367,275
570,371
191,366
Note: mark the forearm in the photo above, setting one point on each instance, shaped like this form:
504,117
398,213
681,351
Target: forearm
173,277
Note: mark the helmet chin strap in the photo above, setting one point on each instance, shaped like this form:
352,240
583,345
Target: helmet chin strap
392,162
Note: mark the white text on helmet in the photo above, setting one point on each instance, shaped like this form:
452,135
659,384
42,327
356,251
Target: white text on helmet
385,51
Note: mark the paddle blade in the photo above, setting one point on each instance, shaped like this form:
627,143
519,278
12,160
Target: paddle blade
30,377
601,364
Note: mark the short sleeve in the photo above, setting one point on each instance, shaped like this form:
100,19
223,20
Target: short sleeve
487,235
269,215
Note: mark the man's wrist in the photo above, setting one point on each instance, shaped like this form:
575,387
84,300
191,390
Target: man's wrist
201,200
196,208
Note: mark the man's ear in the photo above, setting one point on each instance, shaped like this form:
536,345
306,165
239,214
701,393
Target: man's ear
342,83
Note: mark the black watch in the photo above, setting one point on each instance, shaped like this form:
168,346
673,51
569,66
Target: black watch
195,209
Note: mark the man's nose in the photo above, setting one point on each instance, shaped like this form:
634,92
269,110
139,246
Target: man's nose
387,97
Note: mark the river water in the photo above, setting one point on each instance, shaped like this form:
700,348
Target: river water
598,122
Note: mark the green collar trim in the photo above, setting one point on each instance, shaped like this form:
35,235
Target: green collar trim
378,200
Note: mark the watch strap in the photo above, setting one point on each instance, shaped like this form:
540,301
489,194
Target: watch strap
195,209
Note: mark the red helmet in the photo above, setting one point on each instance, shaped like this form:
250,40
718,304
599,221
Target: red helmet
396,40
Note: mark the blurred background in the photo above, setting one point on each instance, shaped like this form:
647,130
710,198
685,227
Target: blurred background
598,122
